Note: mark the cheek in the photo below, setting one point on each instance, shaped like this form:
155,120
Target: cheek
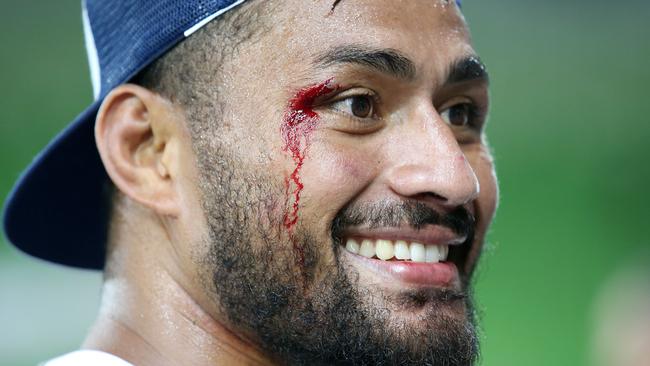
333,178
489,195
485,206
481,161
488,199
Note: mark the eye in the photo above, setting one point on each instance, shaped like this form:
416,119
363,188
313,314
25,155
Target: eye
360,106
457,115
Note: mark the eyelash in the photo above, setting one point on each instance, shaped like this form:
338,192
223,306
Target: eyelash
374,99
476,113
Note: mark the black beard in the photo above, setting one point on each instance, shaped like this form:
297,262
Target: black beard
294,317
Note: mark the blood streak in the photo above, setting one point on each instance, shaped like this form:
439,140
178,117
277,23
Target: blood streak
300,120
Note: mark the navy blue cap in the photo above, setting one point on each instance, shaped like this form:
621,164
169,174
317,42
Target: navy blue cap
58,209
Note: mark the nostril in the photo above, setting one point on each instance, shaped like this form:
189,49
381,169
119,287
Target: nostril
429,196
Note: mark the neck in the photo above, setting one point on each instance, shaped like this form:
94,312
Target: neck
155,321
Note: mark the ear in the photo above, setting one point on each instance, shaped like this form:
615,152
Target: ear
137,137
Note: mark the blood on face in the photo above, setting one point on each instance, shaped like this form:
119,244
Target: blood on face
300,121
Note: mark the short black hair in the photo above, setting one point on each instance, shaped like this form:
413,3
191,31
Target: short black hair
197,59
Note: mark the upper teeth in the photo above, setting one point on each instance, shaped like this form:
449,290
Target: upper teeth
386,249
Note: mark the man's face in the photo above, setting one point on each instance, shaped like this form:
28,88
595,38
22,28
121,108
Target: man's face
347,157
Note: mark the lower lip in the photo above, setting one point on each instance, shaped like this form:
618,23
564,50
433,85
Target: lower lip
441,274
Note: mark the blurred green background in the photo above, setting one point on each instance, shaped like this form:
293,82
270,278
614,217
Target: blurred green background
570,128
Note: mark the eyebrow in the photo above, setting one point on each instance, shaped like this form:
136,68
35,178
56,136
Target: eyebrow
385,60
394,63
467,69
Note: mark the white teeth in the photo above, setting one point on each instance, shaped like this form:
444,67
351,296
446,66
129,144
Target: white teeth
418,252
352,246
402,250
432,254
444,252
367,248
385,249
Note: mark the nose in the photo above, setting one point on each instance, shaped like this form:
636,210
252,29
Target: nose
427,163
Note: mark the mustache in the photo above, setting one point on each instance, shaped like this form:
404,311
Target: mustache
399,214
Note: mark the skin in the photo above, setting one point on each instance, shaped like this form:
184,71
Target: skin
156,303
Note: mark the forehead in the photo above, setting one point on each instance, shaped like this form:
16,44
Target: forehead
432,33
421,26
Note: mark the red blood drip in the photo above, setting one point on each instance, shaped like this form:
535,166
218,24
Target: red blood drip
300,120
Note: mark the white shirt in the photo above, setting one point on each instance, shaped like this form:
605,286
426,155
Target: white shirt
87,358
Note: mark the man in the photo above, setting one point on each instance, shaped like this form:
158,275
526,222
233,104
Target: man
294,182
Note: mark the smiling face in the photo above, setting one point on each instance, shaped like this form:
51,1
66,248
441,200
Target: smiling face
346,183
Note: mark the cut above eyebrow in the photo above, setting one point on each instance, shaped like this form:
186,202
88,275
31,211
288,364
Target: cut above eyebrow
385,60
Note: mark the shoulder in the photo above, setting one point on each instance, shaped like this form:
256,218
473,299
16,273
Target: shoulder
87,357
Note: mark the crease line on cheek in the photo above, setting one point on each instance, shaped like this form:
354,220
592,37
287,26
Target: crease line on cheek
300,121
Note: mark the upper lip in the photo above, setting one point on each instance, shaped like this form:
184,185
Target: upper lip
428,234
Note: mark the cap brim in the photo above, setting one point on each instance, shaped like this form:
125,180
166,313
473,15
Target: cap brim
59,208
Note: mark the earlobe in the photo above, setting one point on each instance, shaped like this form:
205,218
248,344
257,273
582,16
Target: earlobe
133,135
